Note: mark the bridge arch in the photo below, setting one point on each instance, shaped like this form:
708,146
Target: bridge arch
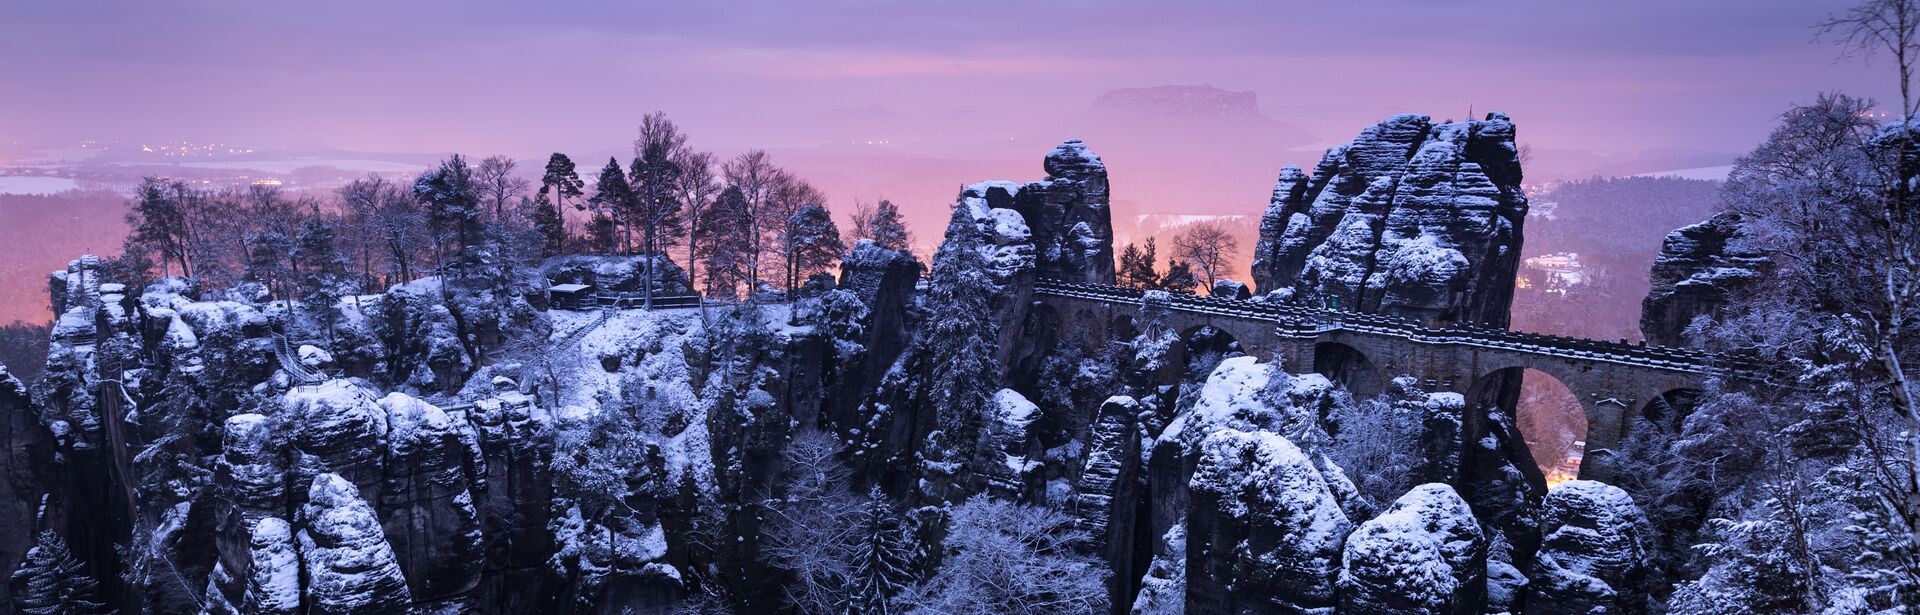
1122,328
1038,333
1204,346
1349,367
1609,396
1670,407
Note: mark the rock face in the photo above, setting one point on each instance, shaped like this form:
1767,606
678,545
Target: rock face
1425,554
273,585
1699,269
884,282
339,430
349,565
616,273
1593,559
1105,500
426,508
27,452
1265,532
1412,218
515,439
1067,215
250,480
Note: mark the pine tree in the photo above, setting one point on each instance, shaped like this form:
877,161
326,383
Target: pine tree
453,206
1179,277
562,180
323,271
888,230
813,240
1136,266
550,224
612,198
51,582
881,560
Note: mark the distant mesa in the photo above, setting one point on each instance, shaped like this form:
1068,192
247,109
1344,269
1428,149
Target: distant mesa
1186,101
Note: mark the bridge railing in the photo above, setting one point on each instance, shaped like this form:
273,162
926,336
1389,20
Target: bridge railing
1301,319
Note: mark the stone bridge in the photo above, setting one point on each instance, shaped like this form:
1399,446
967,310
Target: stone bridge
1614,381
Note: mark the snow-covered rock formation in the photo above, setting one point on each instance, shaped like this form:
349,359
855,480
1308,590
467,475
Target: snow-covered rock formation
1424,555
1066,218
1265,529
425,505
1699,269
350,568
1594,556
1412,218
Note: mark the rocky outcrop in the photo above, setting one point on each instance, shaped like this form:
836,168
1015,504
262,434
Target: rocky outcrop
250,480
884,282
1230,289
617,273
1594,556
426,508
1424,555
1265,529
350,568
1067,216
1412,218
264,577
515,440
338,429
1106,498
1699,270
27,453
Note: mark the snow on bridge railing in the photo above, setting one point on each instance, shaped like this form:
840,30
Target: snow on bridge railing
1307,319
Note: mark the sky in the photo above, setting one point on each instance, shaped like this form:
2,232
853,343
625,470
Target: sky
490,76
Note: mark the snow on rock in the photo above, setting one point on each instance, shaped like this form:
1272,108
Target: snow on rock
314,357
616,273
252,470
1163,591
1246,394
1231,289
1061,225
426,506
1282,232
1425,554
1411,218
1593,558
350,567
1698,270
338,429
273,573
1264,531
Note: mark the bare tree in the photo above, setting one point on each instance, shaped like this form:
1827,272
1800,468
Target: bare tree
811,529
696,187
754,174
498,184
388,212
1208,247
862,217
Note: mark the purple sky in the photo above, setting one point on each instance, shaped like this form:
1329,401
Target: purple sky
486,76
